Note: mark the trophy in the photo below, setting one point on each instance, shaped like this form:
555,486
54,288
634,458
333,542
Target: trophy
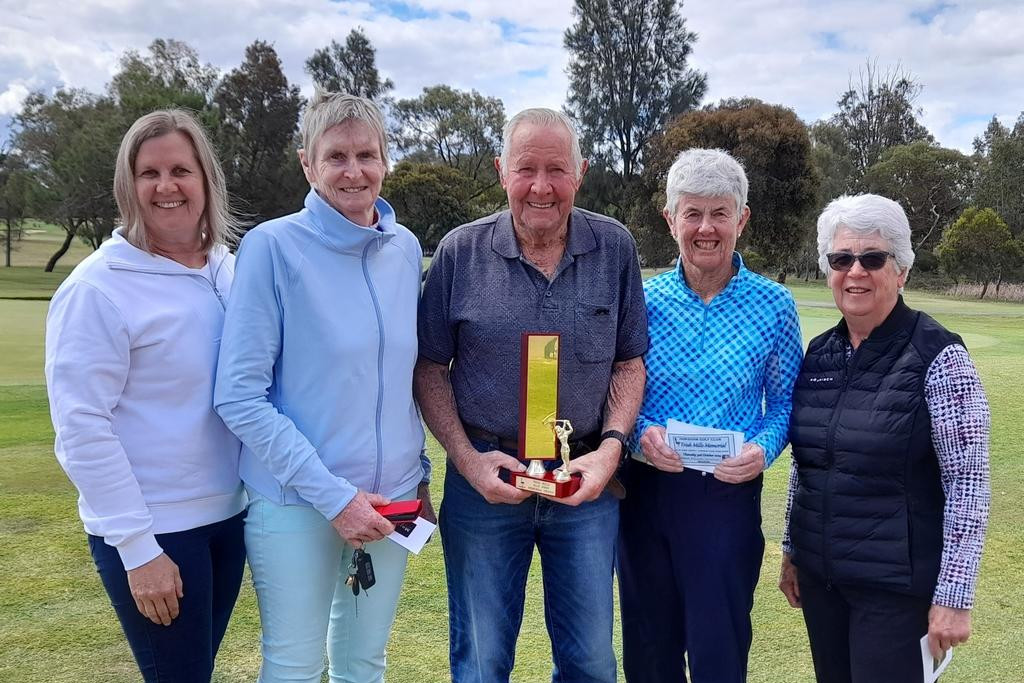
542,436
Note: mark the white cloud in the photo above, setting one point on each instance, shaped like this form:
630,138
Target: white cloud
800,53
12,98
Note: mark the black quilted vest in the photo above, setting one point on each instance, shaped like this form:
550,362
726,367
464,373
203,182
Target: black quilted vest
868,509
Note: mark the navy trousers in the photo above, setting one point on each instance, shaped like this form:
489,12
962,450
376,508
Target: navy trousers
210,560
860,634
689,557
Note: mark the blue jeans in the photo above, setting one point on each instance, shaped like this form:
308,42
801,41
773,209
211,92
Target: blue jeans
488,549
210,560
299,564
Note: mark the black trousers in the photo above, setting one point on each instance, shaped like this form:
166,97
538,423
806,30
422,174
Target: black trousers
861,634
210,560
689,556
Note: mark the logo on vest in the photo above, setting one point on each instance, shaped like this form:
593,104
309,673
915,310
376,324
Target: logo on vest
820,380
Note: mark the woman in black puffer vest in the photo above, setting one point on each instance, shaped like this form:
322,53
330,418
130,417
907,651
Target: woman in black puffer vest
889,492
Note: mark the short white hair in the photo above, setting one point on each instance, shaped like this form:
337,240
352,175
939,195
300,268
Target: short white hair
329,109
863,214
705,173
540,116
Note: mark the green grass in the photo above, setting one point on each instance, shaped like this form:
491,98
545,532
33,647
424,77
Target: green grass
56,625
25,278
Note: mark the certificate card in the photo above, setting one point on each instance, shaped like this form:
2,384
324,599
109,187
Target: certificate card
701,448
412,535
933,668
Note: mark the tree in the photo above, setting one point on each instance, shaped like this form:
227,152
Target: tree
877,112
459,129
350,68
259,114
831,157
171,75
774,147
1000,157
628,76
932,184
70,141
15,193
979,247
430,199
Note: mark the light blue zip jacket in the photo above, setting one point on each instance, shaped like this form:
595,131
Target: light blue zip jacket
315,370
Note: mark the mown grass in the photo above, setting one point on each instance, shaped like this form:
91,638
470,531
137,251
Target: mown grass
56,625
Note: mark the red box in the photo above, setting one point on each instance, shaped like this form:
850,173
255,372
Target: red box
401,511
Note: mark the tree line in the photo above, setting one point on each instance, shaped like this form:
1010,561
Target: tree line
636,101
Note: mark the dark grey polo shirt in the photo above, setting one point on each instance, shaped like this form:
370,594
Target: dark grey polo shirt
481,294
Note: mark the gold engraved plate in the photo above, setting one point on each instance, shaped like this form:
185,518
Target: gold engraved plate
548,488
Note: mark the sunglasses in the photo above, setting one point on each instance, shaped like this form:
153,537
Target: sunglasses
869,260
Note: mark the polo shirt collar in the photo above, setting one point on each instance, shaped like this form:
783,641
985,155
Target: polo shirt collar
735,281
581,236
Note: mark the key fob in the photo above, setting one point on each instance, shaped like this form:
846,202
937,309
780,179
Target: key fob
364,570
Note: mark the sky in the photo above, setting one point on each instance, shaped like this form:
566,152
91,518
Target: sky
969,55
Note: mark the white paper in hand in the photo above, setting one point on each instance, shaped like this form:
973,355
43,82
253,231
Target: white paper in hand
933,668
702,448
412,535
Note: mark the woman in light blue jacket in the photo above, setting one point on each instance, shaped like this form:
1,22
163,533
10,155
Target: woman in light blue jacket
315,378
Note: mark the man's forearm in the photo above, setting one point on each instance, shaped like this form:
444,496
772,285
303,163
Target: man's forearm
625,394
433,390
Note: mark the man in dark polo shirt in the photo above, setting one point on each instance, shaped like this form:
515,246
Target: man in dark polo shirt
543,266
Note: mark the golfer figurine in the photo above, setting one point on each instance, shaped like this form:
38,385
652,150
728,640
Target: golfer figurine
563,428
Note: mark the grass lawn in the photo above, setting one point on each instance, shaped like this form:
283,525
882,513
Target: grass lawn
56,624
25,278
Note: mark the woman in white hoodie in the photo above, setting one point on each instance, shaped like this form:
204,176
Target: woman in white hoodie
132,338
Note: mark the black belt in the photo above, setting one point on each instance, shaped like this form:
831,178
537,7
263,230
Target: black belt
577,447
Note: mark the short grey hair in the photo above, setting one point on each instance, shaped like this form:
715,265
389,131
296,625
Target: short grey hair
217,224
329,109
540,116
863,214
705,173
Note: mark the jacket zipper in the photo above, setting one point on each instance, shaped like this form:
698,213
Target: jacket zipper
380,365
826,507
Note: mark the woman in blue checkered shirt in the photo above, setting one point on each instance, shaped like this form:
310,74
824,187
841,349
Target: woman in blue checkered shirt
724,352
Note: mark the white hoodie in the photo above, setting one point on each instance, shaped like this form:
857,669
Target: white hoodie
131,352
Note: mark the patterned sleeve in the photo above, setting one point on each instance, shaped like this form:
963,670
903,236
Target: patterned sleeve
960,429
794,481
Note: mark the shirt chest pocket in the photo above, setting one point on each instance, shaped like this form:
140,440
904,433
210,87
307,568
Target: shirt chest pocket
595,332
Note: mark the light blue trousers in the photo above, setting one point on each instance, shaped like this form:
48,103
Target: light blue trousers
299,565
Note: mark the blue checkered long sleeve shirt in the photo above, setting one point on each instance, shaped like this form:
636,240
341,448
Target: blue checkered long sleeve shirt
728,364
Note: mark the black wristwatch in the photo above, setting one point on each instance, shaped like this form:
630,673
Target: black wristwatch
618,436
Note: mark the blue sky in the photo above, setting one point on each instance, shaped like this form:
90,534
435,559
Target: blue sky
799,53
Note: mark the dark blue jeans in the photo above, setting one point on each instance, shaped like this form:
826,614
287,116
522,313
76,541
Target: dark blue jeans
488,549
210,559
690,550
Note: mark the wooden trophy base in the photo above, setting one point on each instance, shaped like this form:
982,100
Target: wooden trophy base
546,484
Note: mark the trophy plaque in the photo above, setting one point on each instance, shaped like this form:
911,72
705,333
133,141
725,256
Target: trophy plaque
542,436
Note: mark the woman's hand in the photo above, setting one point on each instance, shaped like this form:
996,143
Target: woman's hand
788,584
744,467
947,626
359,523
655,448
156,587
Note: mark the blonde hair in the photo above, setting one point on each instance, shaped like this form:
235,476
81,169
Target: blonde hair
329,109
217,224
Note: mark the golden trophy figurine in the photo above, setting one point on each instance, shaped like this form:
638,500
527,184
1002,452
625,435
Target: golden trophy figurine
562,429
